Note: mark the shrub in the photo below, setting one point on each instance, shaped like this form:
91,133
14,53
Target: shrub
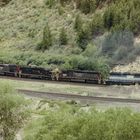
12,111
62,2
56,60
50,3
4,2
76,124
91,51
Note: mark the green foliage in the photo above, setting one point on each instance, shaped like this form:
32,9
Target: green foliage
78,23
118,17
83,37
90,60
87,6
102,15
47,39
63,37
99,2
60,9
12,111
50,3
109,18
4,2
76,124
63,2
96,25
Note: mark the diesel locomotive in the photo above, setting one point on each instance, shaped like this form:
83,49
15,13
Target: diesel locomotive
56,74
68,75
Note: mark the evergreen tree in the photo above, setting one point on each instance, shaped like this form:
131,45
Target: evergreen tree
83,37
108,18
63,37
47,38
87,6
78,23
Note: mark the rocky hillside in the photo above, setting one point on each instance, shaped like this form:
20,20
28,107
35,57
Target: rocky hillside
77,34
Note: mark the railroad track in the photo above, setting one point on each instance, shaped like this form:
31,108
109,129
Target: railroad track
63,96
79,83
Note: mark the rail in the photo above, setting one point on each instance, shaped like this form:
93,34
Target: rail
41,94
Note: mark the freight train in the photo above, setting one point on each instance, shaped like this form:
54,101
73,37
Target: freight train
68,75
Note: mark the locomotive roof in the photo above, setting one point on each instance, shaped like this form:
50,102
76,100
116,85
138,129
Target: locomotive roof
85,71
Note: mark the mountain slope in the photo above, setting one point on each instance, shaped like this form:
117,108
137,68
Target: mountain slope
104,32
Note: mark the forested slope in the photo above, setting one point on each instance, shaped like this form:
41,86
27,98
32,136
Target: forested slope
79,34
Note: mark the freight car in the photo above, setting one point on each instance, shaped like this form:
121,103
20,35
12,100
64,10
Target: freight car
123,78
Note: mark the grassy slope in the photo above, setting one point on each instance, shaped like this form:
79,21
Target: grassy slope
21,26
21,29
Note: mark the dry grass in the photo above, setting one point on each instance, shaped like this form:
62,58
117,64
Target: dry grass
111,91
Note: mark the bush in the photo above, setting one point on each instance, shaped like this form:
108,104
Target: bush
4,2
56,60
12,111
75,124
62,2
50,3
60,9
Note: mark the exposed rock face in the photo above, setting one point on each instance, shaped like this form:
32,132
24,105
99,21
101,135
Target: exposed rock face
132,67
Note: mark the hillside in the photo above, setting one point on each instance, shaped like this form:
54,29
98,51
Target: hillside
69,34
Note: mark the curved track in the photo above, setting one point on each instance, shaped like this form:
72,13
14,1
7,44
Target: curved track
63,96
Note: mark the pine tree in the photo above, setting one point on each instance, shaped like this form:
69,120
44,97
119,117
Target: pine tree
63,37
78,23
47,38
